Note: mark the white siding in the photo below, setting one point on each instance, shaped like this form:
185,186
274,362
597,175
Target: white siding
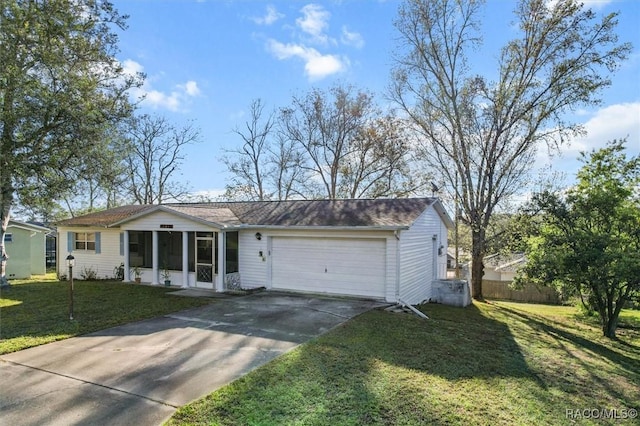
102,263
252,267
406,258
255,271
417,254
491,274
348,266
393,268
152,222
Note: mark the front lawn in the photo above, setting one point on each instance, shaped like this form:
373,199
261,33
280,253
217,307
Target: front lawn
34,312
492,363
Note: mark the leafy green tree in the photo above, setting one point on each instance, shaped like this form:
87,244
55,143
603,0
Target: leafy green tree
481,132
60,86
588,241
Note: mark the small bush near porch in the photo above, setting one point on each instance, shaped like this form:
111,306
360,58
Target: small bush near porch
495,363
34,312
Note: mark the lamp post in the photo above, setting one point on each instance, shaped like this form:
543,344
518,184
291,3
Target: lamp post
70,262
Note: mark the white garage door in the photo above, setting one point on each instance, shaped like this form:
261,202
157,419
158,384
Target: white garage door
354,267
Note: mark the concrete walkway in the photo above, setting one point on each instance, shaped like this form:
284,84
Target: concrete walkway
140,373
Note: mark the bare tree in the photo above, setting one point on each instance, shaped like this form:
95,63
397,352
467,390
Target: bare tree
268,165
155,155
287,174
101,181
334,144
248,164
482,135
351,150
379,163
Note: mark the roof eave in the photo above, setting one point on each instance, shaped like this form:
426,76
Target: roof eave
28,226
323,227
84,225
442,212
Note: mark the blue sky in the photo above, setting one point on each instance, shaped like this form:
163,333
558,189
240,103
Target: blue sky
206,60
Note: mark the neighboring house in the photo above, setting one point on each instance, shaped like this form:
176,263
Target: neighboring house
499,272
451,261
25,247
502,267
51,247
388,249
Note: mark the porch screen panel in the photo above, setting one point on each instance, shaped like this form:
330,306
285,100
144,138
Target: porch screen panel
140,249
170,250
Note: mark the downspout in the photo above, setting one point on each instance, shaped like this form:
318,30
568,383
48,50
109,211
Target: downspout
397,235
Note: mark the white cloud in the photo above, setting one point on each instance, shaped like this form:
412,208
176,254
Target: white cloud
173,100
314,22
271,16
317,65
612,122
310,38
589,4
617,121
157,99
190,88
131,67
596,4
351,38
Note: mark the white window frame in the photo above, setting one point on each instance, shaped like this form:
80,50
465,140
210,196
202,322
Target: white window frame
85,241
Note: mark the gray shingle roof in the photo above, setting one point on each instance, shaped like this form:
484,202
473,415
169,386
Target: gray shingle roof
106,217
377,212
401,212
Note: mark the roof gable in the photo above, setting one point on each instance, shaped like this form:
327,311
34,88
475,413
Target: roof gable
28,226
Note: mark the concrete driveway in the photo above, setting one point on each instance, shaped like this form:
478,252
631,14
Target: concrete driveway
139,373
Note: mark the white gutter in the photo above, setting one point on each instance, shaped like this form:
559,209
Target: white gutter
397,235
315,227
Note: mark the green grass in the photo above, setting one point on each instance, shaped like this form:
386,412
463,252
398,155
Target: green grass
492,363
34,312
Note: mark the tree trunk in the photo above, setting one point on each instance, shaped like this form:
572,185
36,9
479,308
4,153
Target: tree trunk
609,326
4,222
477,265
610,321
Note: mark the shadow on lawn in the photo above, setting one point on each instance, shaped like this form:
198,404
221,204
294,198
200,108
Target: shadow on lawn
40,310
454,344
380,368
560,333
586,353
35,310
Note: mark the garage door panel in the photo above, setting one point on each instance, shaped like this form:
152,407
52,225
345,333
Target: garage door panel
329,265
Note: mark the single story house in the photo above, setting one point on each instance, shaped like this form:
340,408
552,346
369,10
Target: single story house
502,267
25,248
386,249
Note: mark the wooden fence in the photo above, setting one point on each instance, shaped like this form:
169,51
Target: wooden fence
530,293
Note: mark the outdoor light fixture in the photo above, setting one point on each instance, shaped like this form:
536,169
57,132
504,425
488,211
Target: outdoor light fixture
70,263
258,236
